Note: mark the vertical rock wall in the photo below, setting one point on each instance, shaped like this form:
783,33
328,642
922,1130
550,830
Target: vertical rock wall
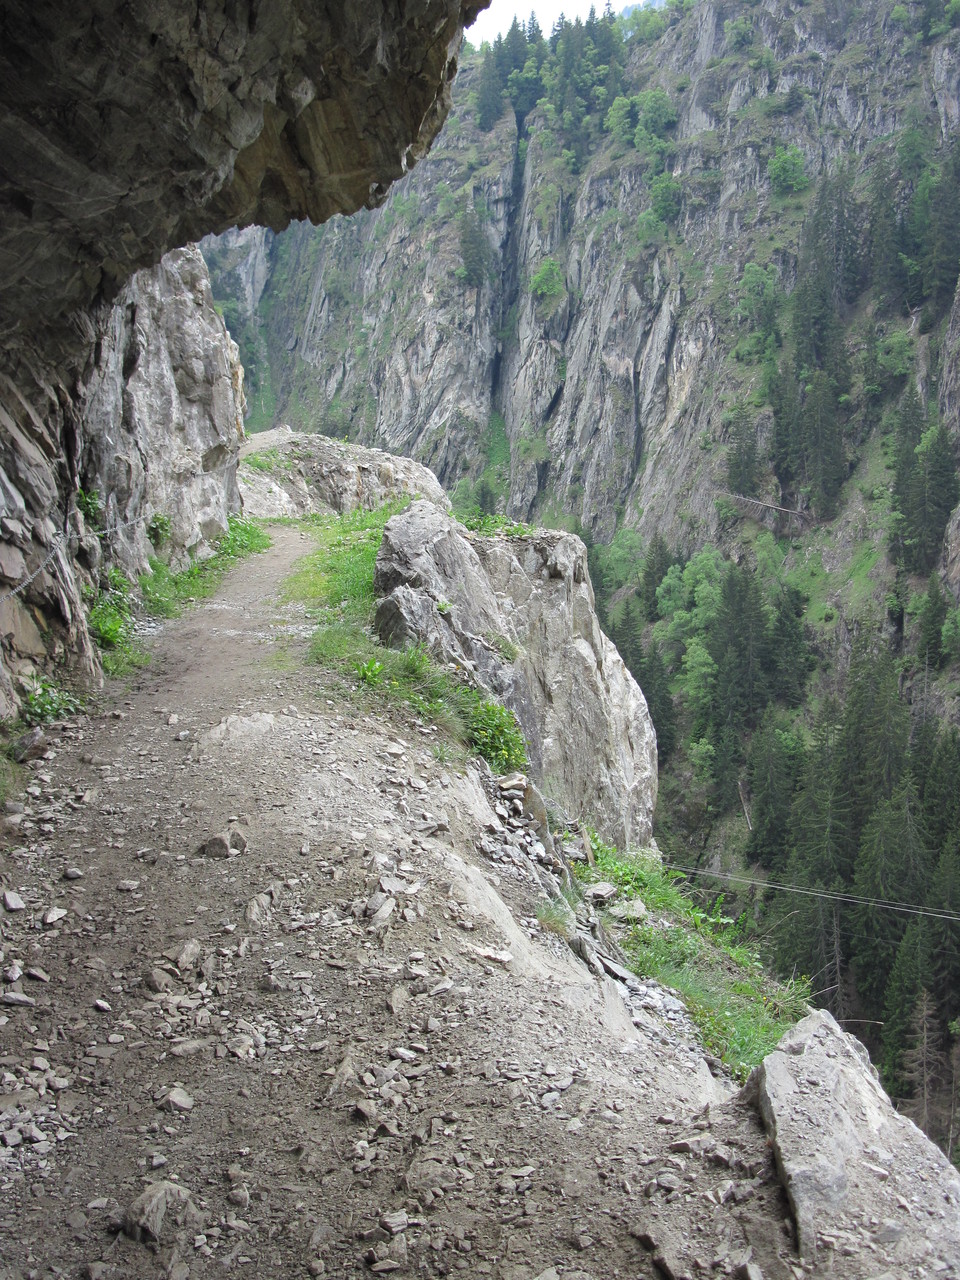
151,423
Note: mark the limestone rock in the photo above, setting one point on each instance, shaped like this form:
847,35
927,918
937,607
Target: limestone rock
208,120
163,417
845,1156
522,622
144,1217
307,473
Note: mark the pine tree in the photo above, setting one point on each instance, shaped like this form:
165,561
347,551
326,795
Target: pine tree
787,450
940,493
943,895
892,865
820,816
515,49
489,96
774,763
923,1065
871,745
933,614
790,656
738,642
941,790
909,974
822,442
742,460
655,565
811,938
654,682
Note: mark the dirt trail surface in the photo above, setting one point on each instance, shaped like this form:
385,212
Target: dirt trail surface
335,1041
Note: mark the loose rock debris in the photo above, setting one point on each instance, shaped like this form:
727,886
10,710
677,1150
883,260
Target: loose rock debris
439,1088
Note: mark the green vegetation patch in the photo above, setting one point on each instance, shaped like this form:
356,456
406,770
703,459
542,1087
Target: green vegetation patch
46,701
740,1012
336,583
268,461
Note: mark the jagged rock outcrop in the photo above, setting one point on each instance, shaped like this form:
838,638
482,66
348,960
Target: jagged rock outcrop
518,613
154,425
163,416
127,130
862,1180
291,473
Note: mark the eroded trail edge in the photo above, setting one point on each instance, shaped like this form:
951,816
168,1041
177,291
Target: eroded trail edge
336,1041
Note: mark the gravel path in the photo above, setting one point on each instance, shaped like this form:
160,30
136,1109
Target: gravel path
335,1041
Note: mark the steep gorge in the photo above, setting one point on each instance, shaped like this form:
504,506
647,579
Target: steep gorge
595,341
81,375
687,282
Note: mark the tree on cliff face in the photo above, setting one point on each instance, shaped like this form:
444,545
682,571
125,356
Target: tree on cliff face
474,250
743,461
489,96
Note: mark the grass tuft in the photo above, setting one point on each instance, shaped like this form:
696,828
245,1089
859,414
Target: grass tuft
335,582
164,592
739,1010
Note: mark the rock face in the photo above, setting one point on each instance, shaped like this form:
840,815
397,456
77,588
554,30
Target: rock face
163,418
289,473
609,402
152,427
518,613
853,1169
130,129
127,131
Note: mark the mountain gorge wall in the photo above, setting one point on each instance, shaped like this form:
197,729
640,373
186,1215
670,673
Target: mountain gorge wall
127,131
611,395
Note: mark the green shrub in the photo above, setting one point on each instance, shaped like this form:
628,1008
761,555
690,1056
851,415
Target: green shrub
494,733
110,620
738,32
369,672
786,171
243,538
88,503
46,701
665,192
650,230
158,530
700,951
491,525
547,283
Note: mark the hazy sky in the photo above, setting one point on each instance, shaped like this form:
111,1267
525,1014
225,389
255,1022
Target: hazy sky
496,19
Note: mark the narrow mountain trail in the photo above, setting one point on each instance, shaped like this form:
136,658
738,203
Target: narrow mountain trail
335,1041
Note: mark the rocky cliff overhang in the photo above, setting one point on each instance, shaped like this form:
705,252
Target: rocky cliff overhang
129,129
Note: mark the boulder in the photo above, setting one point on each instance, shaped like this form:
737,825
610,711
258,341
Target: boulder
856,1172
517,615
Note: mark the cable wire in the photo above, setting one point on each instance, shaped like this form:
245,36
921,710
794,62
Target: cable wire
906,908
